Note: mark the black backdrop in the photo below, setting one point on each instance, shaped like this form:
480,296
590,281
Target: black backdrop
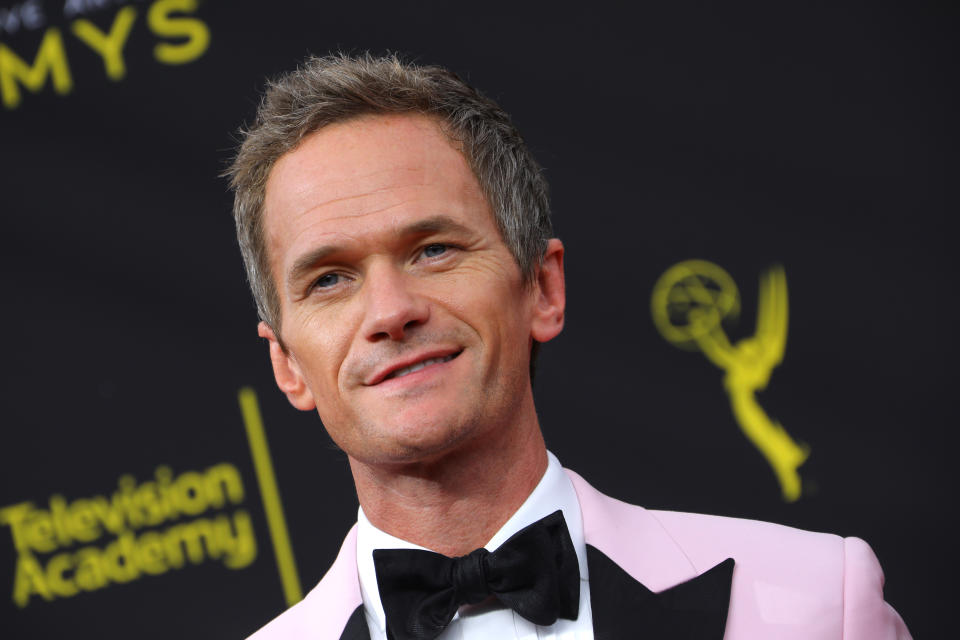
814,136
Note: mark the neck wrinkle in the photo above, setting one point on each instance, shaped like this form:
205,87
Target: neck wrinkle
456,504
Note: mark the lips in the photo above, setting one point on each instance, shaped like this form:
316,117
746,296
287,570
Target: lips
399,373
407,366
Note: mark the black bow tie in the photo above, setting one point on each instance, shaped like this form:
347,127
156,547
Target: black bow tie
535,573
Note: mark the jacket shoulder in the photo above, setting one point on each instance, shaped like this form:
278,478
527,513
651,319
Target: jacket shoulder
825,583
867,615
775,549
784,578
788,583
324,611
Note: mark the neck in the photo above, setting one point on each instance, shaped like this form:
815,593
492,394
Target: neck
456,503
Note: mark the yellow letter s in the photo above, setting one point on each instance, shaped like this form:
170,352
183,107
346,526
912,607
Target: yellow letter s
197,33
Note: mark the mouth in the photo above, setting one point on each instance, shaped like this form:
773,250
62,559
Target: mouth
412,367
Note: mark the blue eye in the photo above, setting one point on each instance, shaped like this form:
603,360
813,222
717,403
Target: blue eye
327,280
434,250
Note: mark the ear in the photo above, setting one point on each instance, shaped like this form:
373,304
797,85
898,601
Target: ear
550,300
286,371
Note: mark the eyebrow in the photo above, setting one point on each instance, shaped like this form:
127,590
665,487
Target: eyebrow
428,226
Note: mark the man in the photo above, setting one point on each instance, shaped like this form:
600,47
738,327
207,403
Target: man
397,238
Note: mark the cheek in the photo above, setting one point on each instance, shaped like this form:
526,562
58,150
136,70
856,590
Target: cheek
485,294
321,351
506,320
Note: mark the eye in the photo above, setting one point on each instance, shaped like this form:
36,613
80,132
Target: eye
326,281
434,250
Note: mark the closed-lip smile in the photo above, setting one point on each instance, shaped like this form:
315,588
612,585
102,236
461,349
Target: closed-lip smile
411,364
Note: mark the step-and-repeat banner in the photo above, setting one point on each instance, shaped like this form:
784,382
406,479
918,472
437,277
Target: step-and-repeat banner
753,201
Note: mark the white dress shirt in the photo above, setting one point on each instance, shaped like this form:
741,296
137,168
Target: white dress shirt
484,621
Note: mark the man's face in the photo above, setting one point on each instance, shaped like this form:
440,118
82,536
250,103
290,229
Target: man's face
406,321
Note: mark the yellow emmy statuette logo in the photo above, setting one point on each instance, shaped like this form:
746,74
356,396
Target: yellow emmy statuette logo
690,302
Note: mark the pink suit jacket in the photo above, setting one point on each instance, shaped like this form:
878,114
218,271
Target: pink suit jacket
788,584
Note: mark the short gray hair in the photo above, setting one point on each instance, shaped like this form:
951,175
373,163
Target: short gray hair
336,88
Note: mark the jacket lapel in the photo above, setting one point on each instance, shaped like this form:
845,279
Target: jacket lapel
641,582
356,627
632,538
624,608
334,608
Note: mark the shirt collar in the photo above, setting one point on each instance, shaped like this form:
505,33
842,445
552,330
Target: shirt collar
554,491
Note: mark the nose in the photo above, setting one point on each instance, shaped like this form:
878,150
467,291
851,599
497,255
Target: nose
392,307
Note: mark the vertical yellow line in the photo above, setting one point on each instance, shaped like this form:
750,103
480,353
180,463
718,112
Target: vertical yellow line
271,496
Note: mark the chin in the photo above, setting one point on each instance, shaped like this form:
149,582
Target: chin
417,441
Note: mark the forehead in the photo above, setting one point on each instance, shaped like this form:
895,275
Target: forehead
373,167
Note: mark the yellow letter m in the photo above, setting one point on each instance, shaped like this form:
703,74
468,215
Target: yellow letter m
51,61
